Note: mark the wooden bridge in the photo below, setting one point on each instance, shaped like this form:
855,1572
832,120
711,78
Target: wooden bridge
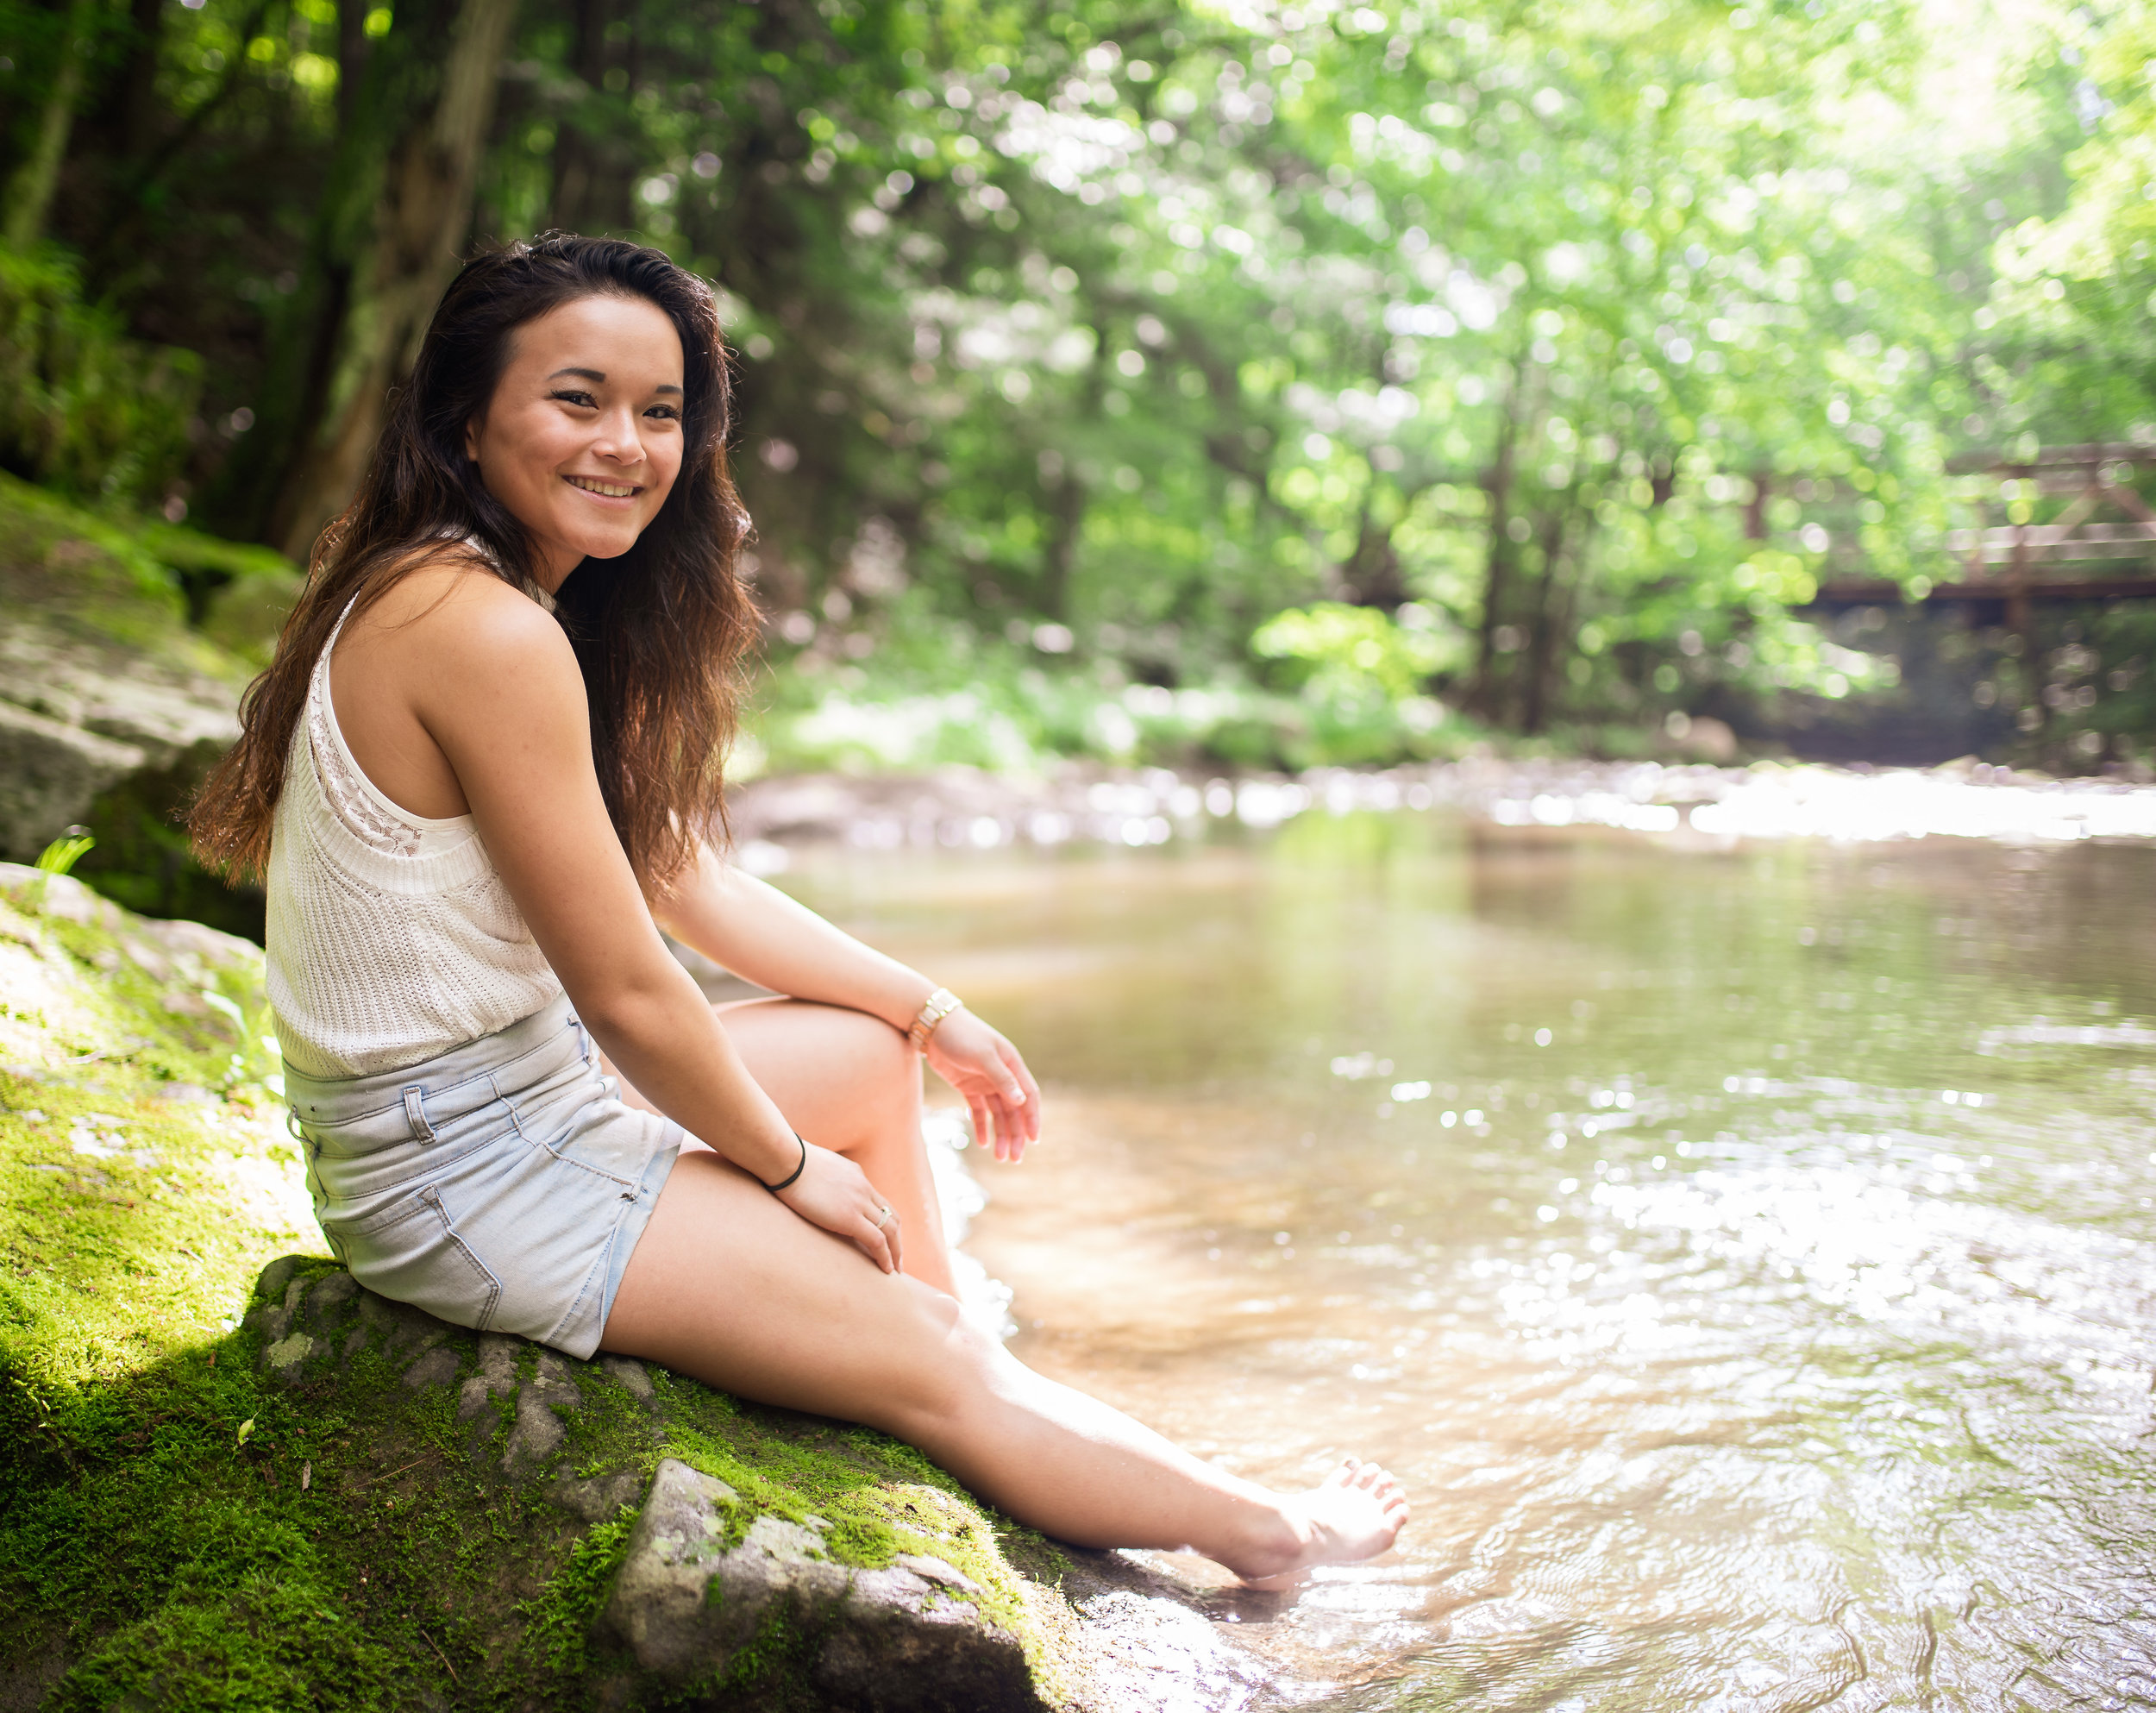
2080,556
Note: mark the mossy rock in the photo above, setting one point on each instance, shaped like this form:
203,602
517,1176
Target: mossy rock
124,647
236,1479
729,1554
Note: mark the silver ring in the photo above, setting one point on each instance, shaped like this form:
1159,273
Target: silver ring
887,1217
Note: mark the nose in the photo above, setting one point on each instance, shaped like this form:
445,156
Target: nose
617,437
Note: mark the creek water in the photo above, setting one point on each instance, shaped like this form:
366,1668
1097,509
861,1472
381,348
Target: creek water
1743,1252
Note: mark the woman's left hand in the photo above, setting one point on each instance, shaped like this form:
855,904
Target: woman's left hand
999,1091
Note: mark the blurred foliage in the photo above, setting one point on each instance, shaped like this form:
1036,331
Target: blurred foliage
1112,377
83,408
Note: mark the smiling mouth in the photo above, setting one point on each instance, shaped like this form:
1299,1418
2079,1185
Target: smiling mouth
610,490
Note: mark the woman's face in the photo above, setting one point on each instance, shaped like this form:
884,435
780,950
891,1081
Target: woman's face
582,439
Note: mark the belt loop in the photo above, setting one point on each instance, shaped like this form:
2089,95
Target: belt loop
416,1114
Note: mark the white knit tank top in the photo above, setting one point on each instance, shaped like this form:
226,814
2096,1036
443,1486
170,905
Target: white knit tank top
390,936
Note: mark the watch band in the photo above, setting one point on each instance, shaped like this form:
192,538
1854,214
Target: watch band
938,1006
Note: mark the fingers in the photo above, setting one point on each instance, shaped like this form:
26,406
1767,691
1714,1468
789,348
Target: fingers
1027,1095
1010,1131
889,1229
1002,1099
1005,1101
879,1242
1011,1113
893,1230
985,1105
836,1194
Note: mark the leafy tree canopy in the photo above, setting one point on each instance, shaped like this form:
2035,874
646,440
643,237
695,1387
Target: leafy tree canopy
1519,363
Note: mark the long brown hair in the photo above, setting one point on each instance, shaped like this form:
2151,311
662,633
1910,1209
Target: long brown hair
661,632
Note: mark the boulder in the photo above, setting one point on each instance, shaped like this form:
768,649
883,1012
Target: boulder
754,1558
79,717
105,686
906,1635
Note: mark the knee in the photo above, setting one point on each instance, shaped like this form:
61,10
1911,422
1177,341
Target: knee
873,1050
953,1374
895,1067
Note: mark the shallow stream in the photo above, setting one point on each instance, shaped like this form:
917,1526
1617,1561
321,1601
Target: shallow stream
1744,1254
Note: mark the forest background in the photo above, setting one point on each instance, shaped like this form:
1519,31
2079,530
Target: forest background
1192,381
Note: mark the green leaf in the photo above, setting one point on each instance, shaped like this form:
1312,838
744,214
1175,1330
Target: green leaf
64,852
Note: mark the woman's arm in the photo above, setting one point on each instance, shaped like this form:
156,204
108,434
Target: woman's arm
492,682
764,937
760,933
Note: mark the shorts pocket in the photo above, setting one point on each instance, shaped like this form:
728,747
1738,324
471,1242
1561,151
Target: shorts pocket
411,1252
364,1175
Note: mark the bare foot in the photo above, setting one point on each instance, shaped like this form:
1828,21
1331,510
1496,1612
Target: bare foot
1355,1513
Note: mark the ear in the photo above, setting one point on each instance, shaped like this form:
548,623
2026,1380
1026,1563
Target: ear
472,437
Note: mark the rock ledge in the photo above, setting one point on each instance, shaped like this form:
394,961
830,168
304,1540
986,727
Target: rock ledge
753,1558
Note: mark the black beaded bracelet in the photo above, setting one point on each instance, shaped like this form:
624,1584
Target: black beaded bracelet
776,1188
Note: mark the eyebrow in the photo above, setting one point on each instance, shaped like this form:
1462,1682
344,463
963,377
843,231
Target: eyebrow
599,376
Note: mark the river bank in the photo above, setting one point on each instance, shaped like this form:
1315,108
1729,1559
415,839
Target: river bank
967,808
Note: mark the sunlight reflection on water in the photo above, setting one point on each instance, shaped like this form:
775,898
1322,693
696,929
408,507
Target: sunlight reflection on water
963,809
1744,1254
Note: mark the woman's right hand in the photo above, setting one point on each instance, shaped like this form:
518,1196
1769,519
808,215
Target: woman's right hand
834,1192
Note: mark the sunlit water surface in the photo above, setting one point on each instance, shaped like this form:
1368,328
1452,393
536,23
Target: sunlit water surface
1744,1257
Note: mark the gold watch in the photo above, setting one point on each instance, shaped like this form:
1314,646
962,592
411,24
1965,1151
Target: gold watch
934,1009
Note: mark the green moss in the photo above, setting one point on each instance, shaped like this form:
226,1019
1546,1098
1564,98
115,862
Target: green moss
109,577
273,1647
779,1656
562,1615
140,594
145,1176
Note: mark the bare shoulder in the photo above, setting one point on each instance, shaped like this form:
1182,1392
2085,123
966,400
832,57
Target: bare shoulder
456,624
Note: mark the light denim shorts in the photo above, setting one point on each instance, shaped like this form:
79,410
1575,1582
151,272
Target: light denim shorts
500,1186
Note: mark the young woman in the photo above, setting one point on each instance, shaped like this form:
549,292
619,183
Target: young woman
481,778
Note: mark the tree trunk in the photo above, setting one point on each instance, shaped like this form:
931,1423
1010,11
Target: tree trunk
1373,574
1497,577
352,54
419,229
130,109
384,91
1068,497
1563,626
1756,507
30,193
159,158
1067,518
1535,688
592,173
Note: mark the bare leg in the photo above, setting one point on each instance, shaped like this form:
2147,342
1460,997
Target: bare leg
728,1284
852,1083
